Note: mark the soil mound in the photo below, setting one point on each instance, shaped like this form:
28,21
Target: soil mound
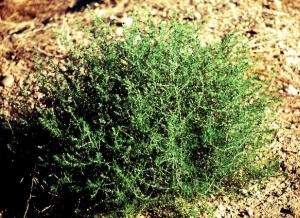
23,10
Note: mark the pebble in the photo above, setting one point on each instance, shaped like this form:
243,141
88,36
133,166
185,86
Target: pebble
293,126
292,61
197,15
278,4
112,18
292,90
291,57
8,81
281,44
250,212
244,191
220,212
290,52
153,12
232,6
128,21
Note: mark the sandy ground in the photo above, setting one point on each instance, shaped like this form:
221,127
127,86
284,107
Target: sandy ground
273,32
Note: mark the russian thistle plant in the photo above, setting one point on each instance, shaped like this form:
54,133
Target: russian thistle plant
130,123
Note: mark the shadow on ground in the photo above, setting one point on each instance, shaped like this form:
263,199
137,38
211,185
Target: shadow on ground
12,182
23,189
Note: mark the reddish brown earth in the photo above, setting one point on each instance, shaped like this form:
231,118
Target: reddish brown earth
273,31
24,10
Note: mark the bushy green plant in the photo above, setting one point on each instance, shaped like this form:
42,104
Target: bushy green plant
134,122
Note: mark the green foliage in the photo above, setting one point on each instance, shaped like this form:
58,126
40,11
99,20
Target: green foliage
130,124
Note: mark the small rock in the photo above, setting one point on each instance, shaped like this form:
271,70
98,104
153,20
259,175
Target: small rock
112,18
250,212
128,21
8,81
291,57
153,12
197,15
232,6
293,126
220,212
292,90
244,191
278,4
286,110
281,44
292,61
290,52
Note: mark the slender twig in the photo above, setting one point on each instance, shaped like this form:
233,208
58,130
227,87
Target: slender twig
46,208
11,129
29,197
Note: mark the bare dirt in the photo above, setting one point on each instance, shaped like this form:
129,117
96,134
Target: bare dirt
273,31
